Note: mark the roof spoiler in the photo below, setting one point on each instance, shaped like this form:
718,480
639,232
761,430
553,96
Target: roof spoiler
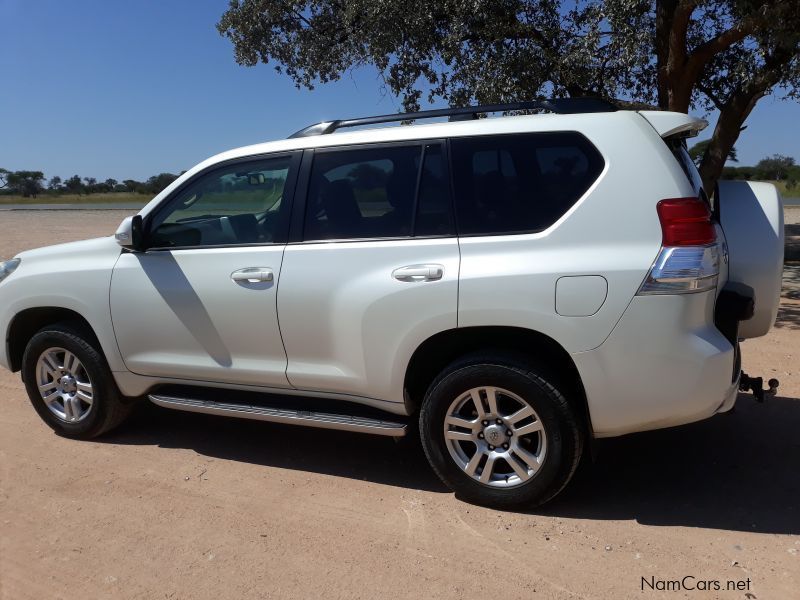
674,124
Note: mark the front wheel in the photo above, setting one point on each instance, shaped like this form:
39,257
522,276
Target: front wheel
69,383
499,433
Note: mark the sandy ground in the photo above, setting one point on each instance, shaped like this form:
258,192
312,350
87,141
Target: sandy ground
176,505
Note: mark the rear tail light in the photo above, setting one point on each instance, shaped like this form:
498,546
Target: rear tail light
688,261
685,222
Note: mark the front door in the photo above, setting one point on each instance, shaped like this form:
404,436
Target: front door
200,303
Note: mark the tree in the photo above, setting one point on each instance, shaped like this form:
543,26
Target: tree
54,183
131,185
776,166
74,185
110,184
697,152
3,178
156,183
27,183
673,54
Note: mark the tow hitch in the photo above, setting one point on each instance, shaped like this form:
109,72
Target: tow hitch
756,385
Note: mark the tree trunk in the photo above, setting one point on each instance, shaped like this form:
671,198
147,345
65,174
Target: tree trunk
665,13
726,132
734,113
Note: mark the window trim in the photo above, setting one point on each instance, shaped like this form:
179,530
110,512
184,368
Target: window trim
296,229
460,234
281,236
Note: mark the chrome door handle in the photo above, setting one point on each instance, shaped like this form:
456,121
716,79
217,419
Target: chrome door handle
252,275
419,273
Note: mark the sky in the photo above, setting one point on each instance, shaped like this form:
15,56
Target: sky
129,89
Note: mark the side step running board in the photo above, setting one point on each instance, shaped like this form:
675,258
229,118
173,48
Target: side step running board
283,415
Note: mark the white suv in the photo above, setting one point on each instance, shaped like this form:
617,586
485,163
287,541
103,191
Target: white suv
517,285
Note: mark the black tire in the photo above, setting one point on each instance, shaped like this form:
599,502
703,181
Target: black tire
108,408
559,420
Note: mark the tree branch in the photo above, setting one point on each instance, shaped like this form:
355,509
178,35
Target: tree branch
706,51
715,100
736,110
680,25
529,34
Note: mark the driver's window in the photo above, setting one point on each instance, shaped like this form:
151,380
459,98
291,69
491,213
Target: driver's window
238,204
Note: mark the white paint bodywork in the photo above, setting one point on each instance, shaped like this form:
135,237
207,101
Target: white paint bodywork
349,326
179,314
334,323
75,276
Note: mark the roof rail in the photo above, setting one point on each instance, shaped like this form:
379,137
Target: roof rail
563,106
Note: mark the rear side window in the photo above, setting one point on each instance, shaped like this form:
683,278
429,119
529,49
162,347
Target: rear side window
520,183
378,192
678,148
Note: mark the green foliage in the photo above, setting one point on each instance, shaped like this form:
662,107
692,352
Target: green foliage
156,183
65,198
489,51
29,184
74,185
698,151
673,54
745,173
26,183
775,167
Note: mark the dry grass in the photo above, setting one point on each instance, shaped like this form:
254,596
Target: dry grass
110,198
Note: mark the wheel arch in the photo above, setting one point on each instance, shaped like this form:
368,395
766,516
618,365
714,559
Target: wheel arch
27,322
442,348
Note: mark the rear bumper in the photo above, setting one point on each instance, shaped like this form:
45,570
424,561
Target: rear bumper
664,364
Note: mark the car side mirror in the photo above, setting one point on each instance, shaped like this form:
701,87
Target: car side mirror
129,233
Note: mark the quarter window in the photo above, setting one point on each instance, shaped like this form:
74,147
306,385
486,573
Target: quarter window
520,183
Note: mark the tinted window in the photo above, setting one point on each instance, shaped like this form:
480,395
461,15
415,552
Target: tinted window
370,193
680,153
434,214
238,204
516,183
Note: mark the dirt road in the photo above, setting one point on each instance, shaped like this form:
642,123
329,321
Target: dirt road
178,505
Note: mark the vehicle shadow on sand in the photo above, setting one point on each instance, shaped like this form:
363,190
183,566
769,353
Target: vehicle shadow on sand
339,453
736,471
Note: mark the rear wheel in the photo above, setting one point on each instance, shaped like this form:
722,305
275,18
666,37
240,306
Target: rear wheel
69,383
498,432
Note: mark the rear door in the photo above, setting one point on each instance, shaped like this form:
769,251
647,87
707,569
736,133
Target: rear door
372,270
